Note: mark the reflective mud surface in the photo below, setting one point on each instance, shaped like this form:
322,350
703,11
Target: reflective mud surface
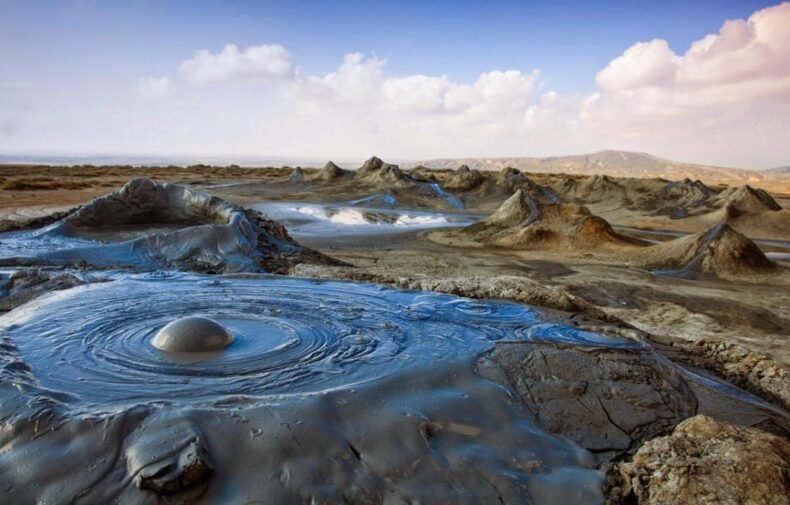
310,220
146,247
291,336
34,242
331,392
150,226
31,243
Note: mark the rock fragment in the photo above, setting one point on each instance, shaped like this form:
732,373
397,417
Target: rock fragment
706,462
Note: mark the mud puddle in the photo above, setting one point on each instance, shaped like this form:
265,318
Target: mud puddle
312,220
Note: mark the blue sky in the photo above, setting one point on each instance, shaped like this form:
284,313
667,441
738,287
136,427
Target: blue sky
568,41
70,57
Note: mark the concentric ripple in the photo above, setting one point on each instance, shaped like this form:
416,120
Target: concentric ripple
291,336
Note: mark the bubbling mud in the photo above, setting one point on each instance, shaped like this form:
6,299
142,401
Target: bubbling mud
99,342
192,334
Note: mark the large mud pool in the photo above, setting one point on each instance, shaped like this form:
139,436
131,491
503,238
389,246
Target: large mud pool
291,336
330,392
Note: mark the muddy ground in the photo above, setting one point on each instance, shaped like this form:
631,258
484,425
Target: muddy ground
753,312
734,328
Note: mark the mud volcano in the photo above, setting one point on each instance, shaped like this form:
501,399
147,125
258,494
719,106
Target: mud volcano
532,219
150,226
193,334
348,393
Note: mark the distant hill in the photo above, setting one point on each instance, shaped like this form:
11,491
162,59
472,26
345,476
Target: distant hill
627,164
779,170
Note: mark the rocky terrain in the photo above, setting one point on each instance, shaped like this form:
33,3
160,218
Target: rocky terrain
709,462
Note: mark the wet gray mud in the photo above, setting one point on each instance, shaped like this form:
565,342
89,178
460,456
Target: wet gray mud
306,220
94,342
150,226
330,392
168,387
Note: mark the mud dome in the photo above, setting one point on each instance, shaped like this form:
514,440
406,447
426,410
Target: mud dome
193,334
332,392
153,226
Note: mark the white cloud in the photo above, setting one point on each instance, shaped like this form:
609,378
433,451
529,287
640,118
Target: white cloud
357,79
643,64
509,89
361,82
405,115
725,99
747,59
154,87
418,93
256,62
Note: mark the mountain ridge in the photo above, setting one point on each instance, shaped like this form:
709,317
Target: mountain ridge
624,164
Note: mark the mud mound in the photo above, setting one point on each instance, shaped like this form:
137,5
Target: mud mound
687,192
297,175
517,210
595,189
464,179
510,177
747,200
141,201
680,199
331,173
510,180
538,192
709,462
595,230
152,226
424,174
754,212
568,225
720,250
378,173
523,221
371,166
